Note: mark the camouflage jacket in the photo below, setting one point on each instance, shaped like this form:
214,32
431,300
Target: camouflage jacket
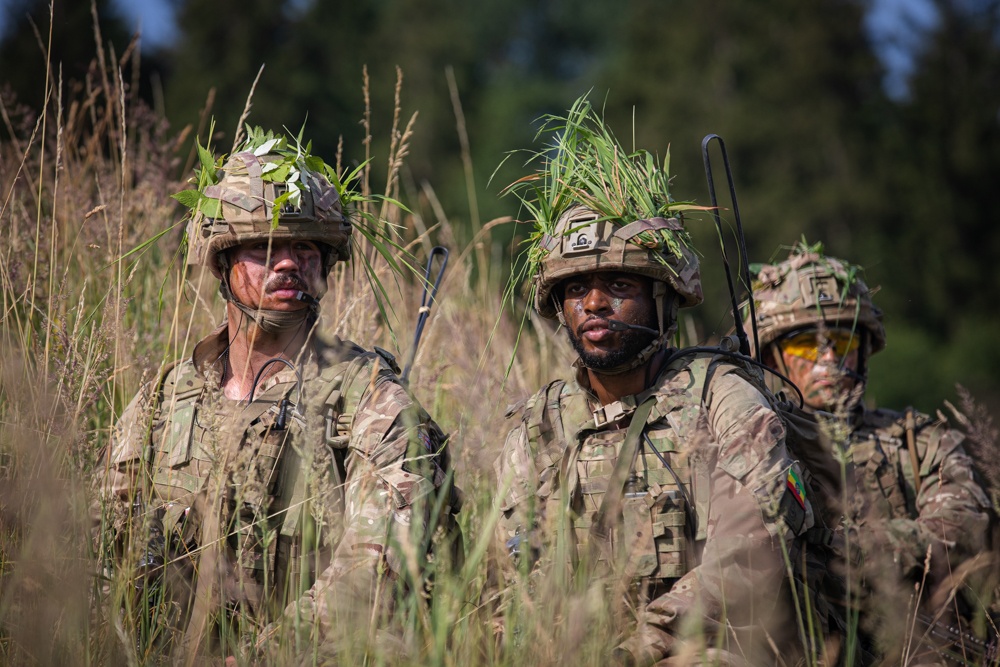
938,506
309,523
713,499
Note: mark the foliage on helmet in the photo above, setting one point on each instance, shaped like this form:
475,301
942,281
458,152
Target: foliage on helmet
289,161
292,159
584,165
809,288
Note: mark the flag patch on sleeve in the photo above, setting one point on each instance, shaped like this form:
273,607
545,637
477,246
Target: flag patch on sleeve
794,483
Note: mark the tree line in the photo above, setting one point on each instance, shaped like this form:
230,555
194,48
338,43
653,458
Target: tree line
901,185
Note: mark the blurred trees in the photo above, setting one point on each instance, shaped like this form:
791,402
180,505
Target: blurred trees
936,229
74,43
902,186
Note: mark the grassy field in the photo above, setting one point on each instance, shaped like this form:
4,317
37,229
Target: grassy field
94,299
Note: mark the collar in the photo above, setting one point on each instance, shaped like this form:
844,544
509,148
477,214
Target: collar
617,411
210,356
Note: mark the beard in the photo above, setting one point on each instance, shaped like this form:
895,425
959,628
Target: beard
632,342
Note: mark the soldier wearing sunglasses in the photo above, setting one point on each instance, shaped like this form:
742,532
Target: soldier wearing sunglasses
913,513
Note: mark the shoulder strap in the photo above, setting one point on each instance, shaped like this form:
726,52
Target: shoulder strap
702,370
178,383
600,529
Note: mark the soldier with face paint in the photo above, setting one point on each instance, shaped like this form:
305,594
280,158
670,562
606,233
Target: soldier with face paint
276,476
661,476
917,512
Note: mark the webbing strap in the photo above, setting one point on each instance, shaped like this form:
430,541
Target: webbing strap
911,445
600,530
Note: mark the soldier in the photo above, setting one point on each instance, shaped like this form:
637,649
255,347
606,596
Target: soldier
665,470
917,502
280,476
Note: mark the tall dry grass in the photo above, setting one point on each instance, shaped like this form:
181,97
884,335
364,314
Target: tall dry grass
90,310
86,320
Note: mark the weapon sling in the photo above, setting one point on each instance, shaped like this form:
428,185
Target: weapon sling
607,514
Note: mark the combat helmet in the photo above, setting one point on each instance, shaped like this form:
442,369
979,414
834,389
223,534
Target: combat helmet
272,189
584,241
809,289
598,207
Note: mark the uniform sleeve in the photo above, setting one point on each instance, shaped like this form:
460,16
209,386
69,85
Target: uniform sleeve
117,476
734,592
517,482
952,515
392,474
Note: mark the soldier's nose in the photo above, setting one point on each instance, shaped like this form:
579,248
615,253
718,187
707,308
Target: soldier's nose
827,354
596,301
283,257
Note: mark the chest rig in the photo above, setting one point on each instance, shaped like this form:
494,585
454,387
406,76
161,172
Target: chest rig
883,468
647,529
278,491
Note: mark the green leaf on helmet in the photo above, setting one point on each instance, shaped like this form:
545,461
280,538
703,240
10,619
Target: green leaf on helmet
278,173
211,208
266,147
188,198
279,201
294,195
206,158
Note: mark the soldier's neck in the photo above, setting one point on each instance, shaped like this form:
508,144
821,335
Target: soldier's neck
250,349
611,388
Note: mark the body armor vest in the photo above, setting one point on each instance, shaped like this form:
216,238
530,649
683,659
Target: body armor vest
882,465
665,502
208,454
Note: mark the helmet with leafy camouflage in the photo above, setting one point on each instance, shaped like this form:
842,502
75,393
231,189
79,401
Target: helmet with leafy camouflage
598,207
252,207
266,190
808,289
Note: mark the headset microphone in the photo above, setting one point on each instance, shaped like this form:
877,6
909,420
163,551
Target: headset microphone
307,298
618,325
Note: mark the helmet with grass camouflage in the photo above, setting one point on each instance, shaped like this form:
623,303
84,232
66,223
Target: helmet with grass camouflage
600,207
584,242
267,196
809,289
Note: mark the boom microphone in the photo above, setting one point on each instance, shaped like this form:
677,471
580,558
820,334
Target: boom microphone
618,325
307,298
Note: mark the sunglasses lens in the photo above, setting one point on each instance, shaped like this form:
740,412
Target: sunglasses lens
810,344
843,342
803,345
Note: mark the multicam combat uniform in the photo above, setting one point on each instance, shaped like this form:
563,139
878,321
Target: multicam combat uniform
910,485
312,522
713,497
946,514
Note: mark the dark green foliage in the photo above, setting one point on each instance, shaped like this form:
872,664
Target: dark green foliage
936,228
23,51
901,186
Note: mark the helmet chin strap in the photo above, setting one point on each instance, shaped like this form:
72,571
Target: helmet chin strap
666,312
269,321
